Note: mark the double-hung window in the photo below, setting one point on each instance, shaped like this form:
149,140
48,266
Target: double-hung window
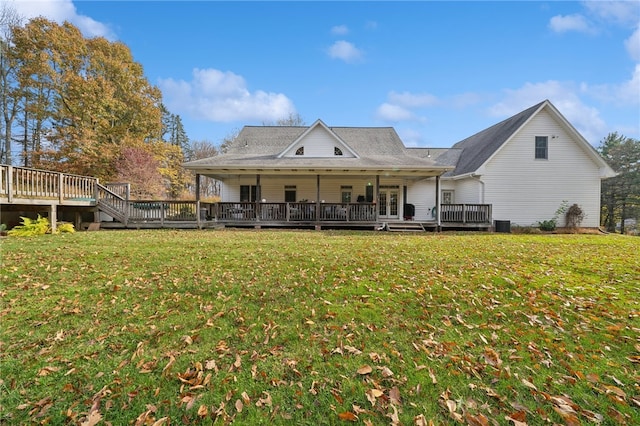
542,148
248,193
290,194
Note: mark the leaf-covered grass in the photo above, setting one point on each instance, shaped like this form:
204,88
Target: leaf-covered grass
279,327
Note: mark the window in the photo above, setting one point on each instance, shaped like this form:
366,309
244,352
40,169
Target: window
300,151
248,193
447,197
290,194
337,151
542,147
346,193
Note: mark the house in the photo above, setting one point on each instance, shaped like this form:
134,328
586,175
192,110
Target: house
519,170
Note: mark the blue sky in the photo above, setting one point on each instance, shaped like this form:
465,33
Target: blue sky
437,72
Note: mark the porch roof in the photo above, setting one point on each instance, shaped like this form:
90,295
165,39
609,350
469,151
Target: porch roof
257,149
399,165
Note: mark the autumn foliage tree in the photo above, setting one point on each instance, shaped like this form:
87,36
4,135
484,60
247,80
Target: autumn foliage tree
82,102
138,167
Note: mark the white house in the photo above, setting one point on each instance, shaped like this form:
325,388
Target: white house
519,170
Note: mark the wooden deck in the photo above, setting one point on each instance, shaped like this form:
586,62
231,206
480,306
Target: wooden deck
24,189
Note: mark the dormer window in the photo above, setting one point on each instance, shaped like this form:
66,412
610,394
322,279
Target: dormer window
337,151
300,151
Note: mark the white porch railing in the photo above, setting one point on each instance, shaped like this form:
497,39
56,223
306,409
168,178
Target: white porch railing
26,183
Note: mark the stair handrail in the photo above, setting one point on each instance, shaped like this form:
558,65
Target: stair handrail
117,205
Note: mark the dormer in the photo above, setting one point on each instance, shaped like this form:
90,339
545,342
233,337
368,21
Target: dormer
318,141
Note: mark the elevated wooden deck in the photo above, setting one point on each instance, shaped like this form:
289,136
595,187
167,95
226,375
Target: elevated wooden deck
24,189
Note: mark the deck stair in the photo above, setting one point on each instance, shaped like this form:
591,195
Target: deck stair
405,227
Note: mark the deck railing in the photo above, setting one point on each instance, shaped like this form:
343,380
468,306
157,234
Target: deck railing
23,182
465,213
292,212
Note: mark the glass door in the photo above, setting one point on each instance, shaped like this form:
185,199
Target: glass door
388,203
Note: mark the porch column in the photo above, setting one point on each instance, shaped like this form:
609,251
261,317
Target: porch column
197,186
318,202
258,197
376,196
438,202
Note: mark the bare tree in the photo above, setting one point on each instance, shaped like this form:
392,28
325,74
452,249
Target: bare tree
9,19
294,119
209,187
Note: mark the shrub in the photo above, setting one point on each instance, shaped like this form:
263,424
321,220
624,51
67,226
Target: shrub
574,216
547,225
39,226
30,227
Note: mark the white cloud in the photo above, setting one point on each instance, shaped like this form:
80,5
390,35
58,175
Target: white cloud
340,30
411,138
60,11
584,118
576,22
411,100
620,12
633,45
345,51
223,97
394,113
625,93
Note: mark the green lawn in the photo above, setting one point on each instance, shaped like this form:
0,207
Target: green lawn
281,327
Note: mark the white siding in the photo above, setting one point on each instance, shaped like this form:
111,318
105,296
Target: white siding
318,143
469,191
272,187
422,194
525,190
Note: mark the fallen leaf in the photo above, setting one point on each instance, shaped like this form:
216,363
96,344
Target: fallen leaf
394,395
529,384
492,358
373,394
203,411
477,420
239,406
92,419
365,369
348,416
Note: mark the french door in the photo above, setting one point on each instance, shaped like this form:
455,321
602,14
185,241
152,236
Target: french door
388,203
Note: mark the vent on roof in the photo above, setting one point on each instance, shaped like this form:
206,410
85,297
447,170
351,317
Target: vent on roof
300,151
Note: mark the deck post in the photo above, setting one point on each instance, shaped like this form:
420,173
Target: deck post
53,217
161,214
10,184
60,185
198,221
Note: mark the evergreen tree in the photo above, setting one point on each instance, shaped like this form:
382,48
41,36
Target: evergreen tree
620,195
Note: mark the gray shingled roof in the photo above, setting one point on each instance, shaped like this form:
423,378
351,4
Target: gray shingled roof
477,149
259,147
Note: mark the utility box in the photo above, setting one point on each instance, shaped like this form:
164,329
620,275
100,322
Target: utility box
503,226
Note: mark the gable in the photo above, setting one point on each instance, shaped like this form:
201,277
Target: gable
480,148
318,141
